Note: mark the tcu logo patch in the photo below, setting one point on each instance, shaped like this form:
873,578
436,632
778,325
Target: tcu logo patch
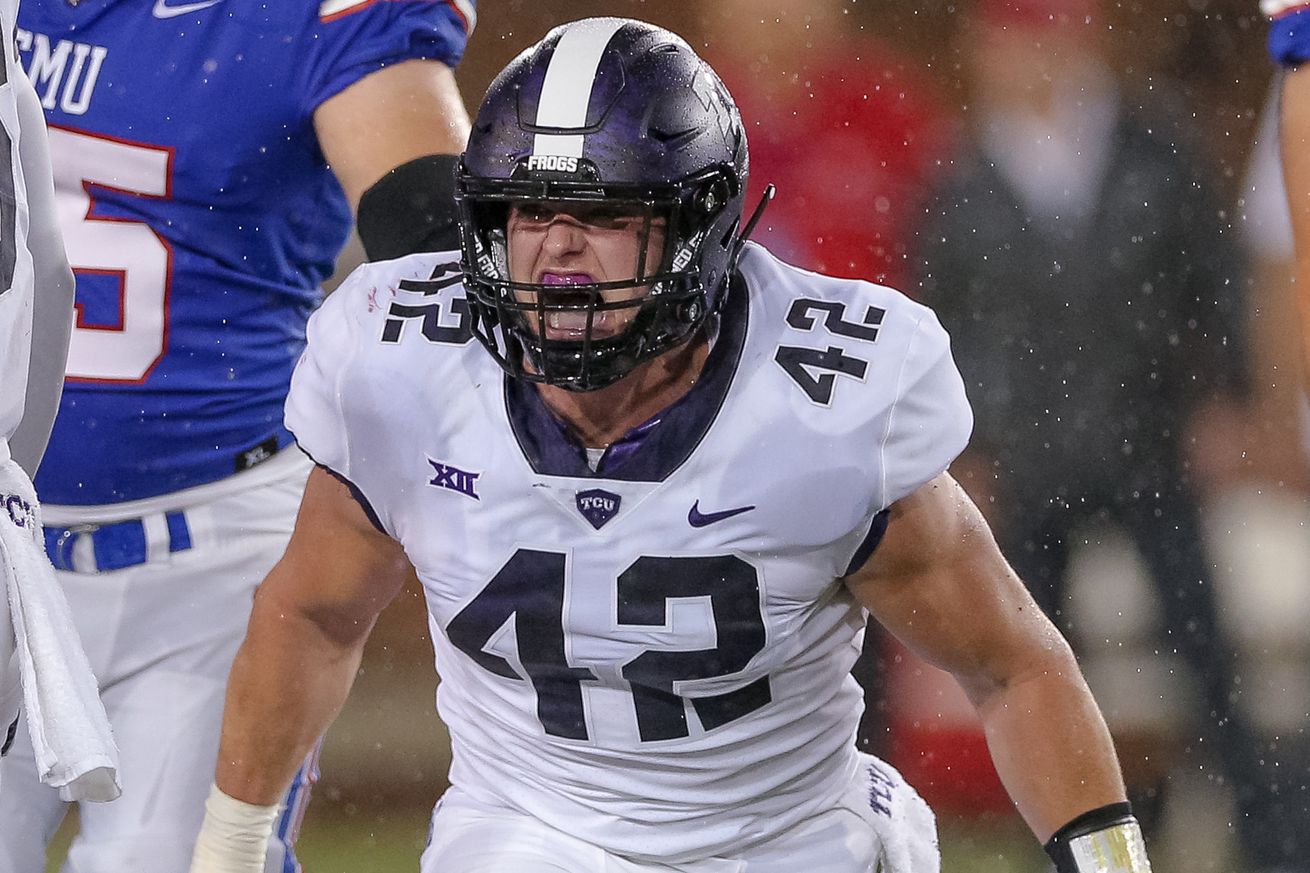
598,506
556,163
454,479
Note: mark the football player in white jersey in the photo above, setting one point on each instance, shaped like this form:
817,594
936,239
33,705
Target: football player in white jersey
651,523
36,306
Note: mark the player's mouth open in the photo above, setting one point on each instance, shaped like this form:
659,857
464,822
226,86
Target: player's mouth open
571,324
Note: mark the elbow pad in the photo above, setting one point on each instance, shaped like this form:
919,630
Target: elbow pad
410,209
1289,31
1104,840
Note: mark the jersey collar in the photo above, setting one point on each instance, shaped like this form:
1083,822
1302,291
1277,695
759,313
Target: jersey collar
651,451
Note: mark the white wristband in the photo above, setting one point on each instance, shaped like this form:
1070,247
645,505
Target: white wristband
234,836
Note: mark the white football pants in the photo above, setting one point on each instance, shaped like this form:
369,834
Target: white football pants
880,826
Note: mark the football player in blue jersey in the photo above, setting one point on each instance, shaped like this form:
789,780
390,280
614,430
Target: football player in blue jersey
654,481
208,159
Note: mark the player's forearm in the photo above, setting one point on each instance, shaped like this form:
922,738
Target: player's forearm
1296,175
288,682
1050,746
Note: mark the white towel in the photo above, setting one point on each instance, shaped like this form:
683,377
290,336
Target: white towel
75,750
905,824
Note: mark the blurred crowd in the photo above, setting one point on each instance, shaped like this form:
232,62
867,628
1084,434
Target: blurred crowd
1118,304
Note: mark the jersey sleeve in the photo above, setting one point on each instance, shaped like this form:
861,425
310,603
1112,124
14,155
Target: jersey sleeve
930,419
343,389
52,303
1289,30
315,408
359,37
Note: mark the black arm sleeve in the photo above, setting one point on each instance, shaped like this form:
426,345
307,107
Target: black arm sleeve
411,209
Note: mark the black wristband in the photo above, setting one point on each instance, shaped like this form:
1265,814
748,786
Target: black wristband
1118,821
410,209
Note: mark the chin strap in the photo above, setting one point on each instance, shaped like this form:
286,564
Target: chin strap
767,197
770,191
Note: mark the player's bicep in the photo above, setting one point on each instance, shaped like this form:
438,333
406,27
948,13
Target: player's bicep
940,584
401,112
339,571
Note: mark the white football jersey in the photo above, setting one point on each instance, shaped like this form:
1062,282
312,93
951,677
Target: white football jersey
654,657
16,286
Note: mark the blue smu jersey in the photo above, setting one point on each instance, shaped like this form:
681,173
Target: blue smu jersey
1289,31
199,215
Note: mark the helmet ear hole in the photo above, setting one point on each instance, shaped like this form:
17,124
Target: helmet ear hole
711,197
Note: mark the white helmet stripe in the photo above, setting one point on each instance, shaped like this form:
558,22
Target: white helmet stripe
566,91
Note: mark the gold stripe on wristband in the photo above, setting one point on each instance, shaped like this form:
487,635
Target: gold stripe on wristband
1116,849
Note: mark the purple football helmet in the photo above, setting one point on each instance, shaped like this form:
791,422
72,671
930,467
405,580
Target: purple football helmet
617,112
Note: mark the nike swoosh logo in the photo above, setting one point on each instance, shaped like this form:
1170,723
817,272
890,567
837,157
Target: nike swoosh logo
163,10
698,519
